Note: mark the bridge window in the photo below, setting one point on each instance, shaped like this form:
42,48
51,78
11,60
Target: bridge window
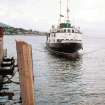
68,30
64,30
72,31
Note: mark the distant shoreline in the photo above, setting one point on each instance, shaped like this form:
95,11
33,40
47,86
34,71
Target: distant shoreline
24,35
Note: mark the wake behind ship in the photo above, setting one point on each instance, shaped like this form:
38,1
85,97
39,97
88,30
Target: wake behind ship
64,38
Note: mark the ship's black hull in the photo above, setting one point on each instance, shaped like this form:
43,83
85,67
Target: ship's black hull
65,47
67,50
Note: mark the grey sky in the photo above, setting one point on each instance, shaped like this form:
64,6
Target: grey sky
40,14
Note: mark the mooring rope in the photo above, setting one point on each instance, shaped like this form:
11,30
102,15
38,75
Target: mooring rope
10,81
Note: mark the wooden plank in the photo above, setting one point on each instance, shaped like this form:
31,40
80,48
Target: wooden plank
1,32
1,42
1,49
25,65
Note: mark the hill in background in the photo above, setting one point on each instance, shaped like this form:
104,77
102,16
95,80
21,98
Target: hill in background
9,30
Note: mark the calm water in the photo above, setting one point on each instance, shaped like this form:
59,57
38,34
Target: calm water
60,81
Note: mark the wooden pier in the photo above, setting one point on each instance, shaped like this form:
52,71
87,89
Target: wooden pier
1,53
25,69
1,43
6,67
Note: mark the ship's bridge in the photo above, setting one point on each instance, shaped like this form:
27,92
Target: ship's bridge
67,28
65,25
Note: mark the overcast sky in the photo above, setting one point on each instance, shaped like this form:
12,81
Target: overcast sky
40,14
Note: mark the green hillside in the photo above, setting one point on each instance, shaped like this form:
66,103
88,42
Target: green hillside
9,30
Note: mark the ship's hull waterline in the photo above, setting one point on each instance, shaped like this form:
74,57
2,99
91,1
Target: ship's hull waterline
65,47
66,50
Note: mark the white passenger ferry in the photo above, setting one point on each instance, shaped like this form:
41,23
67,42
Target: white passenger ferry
64,38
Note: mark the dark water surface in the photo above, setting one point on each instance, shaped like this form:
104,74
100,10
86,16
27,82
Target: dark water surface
60,81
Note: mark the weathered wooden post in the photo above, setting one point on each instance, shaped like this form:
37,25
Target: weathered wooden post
25,65
1,42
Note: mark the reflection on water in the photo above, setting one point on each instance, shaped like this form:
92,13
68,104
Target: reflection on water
63,82
60,82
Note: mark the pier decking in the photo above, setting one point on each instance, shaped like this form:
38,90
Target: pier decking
24,67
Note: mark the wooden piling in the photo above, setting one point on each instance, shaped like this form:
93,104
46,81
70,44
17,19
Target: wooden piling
24,59
1,53
1,42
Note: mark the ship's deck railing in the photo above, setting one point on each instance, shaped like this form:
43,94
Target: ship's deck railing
66,30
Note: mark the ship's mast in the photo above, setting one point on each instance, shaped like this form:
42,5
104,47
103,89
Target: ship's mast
60,14
68,10
60,11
